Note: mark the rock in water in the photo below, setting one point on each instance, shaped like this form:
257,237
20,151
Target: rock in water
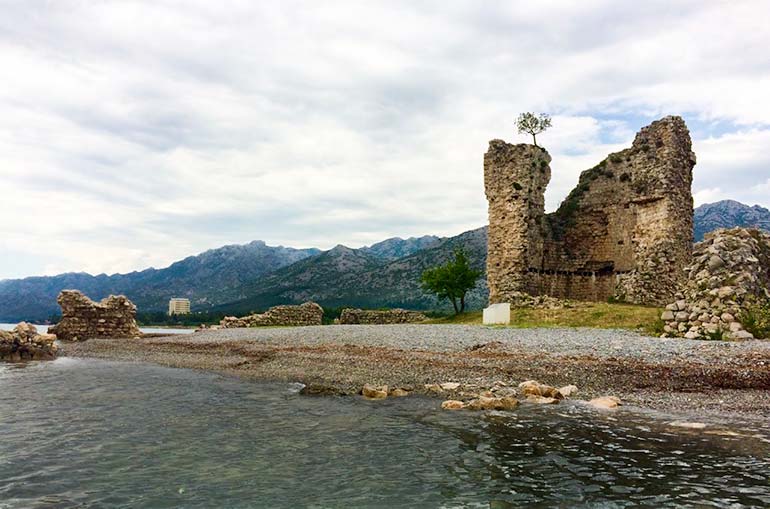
23,343
605,402
452,404
375,392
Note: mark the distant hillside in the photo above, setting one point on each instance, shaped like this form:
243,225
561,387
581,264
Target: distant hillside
240,279
344,276
215,276
395,248
727,214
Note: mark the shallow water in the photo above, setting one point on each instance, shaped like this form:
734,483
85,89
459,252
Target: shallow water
92,433
146,330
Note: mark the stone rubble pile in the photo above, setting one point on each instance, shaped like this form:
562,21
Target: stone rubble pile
308,313
380,317
24,343
82,318
730,269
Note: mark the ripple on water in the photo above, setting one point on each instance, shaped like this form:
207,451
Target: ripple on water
114,434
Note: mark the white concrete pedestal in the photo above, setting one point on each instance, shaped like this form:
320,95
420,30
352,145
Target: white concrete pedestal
497,314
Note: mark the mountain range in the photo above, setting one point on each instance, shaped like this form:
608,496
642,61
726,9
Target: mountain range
239,279
729,213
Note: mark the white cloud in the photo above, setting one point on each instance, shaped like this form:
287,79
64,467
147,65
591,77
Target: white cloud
136,133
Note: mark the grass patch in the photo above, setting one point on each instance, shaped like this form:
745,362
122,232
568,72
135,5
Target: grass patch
597,315
756,319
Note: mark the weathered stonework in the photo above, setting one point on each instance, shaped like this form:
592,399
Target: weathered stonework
626,230
82,318
380,317
308,313
731,268
23,343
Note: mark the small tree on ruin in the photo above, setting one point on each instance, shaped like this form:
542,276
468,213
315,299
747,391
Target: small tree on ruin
533,124
452,280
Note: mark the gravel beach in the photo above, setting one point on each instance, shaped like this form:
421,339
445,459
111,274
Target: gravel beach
686,376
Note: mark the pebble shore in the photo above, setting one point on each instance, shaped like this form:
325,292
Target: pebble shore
715,377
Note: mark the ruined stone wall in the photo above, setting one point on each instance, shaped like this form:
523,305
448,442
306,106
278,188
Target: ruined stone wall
82,318
380,317
24,343
730,271
625,230
308,313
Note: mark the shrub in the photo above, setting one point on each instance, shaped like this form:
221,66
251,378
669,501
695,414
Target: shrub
755,318
716,335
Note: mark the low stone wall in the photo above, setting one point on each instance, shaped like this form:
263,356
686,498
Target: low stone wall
731,269
24,343
380,317
308,313
82,318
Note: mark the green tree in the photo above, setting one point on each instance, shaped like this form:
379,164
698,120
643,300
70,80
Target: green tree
451,280
533,124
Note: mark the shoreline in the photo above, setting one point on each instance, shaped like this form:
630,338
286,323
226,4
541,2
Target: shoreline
698,378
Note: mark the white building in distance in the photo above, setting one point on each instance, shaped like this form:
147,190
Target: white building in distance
179,307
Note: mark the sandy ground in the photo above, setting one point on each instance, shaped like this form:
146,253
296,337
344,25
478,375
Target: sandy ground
697,378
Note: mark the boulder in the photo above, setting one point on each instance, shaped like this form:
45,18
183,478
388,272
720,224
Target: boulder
398,392
568,390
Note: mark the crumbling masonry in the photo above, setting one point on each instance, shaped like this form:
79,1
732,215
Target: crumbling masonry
625,231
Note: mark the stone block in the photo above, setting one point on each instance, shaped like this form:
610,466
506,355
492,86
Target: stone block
497,314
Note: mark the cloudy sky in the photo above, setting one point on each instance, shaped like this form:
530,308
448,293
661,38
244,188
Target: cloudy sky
136,133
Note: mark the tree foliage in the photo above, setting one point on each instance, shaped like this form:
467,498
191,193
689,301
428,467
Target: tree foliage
452,280
533,124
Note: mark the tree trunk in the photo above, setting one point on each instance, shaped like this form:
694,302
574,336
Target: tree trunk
462,304
454,303
534,140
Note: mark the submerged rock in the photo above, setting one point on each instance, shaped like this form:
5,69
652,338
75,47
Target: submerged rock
452,404
315,389
398,392
542,400
487,403
375,392
534,388
605,402
24,343
568,391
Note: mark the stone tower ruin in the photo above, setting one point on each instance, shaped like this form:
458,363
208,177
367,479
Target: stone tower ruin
625,231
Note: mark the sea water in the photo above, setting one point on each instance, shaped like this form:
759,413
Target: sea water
90,433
